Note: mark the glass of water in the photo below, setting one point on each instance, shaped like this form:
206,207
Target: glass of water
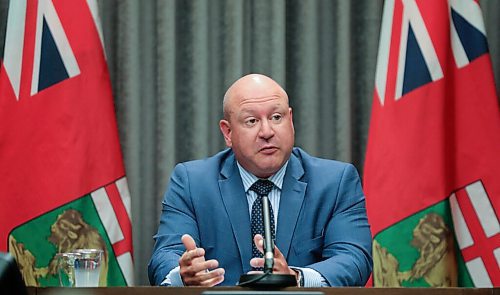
87,267
66,268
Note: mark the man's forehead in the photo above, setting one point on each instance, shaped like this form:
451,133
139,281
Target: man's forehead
273,97
250,89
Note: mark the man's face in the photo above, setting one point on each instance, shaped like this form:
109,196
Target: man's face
259,129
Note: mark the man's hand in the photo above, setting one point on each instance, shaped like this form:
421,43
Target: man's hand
280,264
194,270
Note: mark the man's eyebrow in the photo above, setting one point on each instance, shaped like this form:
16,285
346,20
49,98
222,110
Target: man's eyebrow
245,111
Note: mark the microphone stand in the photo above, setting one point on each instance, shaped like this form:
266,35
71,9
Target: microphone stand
267,279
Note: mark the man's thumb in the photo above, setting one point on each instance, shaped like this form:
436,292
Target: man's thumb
188,242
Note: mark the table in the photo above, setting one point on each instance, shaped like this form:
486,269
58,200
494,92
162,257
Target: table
198,290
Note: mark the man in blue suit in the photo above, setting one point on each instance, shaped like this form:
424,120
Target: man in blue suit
205,236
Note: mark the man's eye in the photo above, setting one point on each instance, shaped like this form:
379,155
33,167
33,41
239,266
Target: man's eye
276,117
250,122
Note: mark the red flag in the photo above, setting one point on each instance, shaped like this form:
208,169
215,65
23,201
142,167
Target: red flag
63,180
432,164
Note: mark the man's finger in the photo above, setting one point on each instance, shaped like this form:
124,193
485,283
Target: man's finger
192,257
203,267
188,242
277,252
195,273
257,262
213,278
205,277
196,253
259,242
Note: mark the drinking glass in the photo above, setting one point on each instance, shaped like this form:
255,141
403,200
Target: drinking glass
88,267
66,268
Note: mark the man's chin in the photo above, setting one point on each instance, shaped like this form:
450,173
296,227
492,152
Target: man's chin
267,170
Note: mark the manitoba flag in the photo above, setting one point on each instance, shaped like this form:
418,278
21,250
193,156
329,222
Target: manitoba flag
432,166
63,184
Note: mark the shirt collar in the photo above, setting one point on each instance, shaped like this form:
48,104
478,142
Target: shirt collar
249,179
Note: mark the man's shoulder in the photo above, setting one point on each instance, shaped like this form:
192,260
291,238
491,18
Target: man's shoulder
313,162
212,163
320,171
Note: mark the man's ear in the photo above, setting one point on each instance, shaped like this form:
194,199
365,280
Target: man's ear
225,128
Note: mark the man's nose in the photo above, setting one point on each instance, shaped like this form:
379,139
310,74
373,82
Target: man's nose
266,129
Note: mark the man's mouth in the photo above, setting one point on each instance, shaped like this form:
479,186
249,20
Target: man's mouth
268,149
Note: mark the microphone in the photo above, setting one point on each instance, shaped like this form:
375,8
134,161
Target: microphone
268,240
267,280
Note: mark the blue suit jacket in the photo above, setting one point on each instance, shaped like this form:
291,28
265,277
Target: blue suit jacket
322,221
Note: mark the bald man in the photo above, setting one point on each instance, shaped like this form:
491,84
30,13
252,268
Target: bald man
205,236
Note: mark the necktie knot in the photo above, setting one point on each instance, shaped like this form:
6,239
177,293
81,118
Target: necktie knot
262,187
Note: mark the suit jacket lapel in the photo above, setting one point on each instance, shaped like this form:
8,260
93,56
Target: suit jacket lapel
291,201
236,205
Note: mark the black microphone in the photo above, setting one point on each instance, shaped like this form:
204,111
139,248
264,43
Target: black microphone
268,239
267,280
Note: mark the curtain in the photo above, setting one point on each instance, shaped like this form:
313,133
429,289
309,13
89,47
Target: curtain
172,60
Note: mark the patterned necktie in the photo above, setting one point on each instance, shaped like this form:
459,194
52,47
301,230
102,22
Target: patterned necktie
262,187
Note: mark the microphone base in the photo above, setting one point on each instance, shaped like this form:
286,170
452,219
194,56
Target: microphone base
270,281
